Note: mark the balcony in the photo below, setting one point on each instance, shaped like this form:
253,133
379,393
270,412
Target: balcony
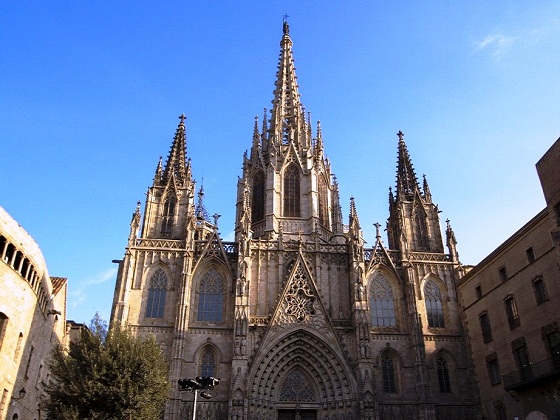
531,374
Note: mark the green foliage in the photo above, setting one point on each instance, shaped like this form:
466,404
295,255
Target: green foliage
110,375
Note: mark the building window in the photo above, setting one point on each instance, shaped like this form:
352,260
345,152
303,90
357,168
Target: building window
540,290
503,273
493,368
168,215
443,375
485,327
530,255
553,344
478,292
18,347
434,307
500,410
297,388
29,362
323,202
521,356
3,327
421,229
382,303
291,192
388,371
257,208
211,297
208,365
511,312
156,295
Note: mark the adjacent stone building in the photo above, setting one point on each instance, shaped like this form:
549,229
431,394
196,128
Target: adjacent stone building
297,317
32,320
511,310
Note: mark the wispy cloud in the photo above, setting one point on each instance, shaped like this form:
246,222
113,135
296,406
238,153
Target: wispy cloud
79,294
498,44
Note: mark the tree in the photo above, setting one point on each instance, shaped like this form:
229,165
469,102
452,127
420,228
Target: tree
107,375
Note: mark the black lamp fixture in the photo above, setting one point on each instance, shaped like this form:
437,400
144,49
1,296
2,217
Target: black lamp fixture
22,393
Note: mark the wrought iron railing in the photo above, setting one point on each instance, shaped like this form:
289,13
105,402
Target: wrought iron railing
532,372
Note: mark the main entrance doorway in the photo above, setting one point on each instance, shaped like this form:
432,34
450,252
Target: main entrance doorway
297,414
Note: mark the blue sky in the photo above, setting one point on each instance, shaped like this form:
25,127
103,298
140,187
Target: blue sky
90,93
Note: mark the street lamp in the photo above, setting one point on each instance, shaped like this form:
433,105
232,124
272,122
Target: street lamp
22,393
200,383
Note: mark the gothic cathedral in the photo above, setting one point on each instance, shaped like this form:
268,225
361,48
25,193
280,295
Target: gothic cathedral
297,318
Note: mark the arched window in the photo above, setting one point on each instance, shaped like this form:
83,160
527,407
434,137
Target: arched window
382,303
3,326
168,215
434,307
211,297
156,295
208,365
323,202
296,388
388,373
291,192
257,209
421,229
443,375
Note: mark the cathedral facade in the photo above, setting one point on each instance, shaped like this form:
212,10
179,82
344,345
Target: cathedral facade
297,317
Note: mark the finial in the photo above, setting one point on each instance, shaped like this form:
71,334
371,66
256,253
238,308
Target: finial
377,226
401,135
182,117
216,216
286,28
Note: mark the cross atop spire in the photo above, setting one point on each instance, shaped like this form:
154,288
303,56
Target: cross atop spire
182,117
286,28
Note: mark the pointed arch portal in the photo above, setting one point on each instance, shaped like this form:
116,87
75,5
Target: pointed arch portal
296,376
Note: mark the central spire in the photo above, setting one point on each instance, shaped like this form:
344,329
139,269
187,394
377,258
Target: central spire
287,123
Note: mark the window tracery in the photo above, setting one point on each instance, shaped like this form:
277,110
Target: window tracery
257,208
300,298
382,303
434,307
168,215
211,297
291,192
443,375
388,372
156,295
297,388
207,363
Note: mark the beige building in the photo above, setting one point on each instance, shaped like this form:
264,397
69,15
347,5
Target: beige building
297,317
32,320
512,315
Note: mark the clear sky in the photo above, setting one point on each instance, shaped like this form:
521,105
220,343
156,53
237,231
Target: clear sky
90,93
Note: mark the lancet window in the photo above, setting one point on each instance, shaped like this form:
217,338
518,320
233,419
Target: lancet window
291,192
208,363
434,307
443,375
323,202
297,388
168,215
257,208
382,303
156,295
421,229
211,297
388,372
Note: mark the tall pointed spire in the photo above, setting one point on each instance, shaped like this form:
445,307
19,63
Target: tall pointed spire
407,182
176,161
288,119
200,210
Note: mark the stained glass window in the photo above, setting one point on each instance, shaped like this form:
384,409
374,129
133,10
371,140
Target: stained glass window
211,297
291,192
156,295
434,307
382,303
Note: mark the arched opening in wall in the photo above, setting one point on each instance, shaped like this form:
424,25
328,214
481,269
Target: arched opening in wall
167,216
297,398
382,303
323,202
257,202
389,372
421,231
3,327
211,293
292,207
208,362
442,368
157,291
434,305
